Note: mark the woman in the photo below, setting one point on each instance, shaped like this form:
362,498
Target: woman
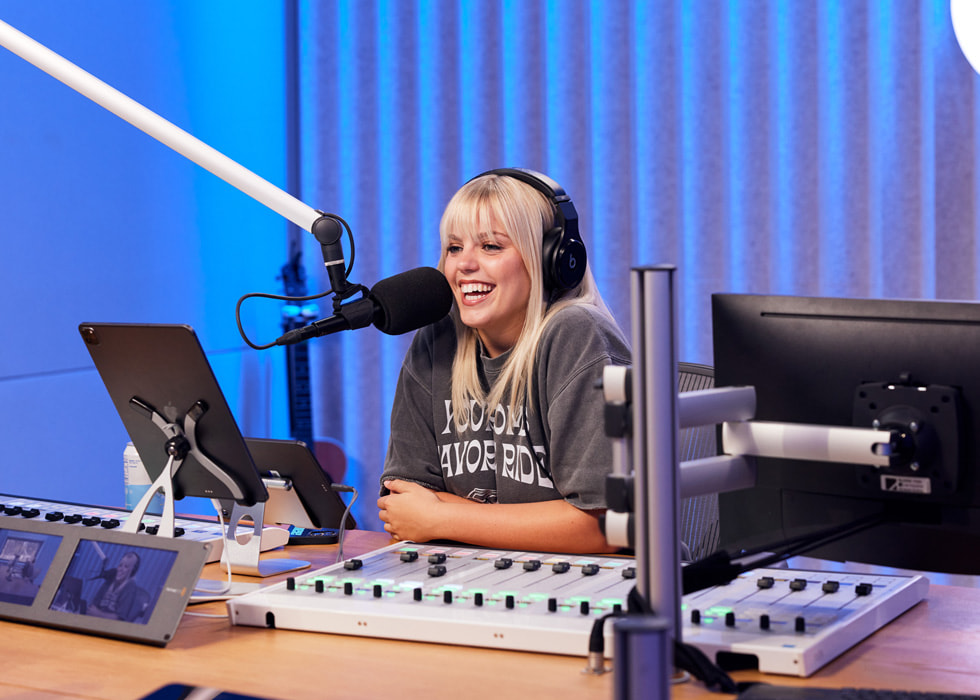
497,433
119,597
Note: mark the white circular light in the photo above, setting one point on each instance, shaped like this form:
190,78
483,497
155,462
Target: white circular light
966,25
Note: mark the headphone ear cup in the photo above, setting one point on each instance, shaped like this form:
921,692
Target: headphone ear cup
564,259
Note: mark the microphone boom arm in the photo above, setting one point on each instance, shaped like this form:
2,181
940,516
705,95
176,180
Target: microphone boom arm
159,128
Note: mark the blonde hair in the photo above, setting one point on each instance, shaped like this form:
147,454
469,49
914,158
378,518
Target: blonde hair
524,214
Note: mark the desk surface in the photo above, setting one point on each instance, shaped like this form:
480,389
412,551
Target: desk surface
934,646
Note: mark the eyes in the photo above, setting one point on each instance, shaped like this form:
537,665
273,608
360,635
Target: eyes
486,246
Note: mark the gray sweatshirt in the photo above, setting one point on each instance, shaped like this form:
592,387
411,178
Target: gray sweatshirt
555,447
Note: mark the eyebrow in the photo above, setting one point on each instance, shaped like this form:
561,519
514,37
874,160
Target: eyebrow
481,236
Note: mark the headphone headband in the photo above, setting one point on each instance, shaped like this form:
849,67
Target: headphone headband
563,254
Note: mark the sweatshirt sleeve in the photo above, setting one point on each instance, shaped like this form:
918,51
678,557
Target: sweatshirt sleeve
572,358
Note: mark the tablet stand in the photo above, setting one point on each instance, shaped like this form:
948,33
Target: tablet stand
238,556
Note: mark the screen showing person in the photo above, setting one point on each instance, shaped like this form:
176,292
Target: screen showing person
114,581
24,562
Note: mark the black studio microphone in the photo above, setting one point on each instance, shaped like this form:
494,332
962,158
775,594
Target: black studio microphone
395,305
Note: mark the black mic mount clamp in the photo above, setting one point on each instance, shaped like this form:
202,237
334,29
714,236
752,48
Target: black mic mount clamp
328,231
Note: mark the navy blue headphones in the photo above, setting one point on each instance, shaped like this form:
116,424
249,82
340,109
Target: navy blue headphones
563,254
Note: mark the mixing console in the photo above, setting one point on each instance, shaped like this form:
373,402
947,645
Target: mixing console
199,530
792,621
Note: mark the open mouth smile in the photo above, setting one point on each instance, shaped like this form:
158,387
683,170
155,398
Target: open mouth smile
473,292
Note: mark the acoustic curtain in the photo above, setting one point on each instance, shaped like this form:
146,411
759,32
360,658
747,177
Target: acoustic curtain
812,148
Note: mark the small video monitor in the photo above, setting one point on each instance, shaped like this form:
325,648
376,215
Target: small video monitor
24,562
114,581
106,582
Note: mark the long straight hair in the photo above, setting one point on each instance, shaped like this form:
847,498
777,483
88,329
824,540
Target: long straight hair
524,214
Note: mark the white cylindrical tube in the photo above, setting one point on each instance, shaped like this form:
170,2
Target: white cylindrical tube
156,126
808,442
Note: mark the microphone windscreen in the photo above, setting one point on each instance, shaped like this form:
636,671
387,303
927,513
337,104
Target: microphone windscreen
409,300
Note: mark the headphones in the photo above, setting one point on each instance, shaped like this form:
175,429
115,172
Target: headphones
563,254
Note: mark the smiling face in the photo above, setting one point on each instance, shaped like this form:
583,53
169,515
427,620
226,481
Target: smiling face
490,283
491,255
126,565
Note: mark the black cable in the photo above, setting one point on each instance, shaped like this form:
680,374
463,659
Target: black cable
687,657
263,295
282,297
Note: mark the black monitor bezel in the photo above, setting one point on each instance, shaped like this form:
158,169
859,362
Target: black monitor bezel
805,356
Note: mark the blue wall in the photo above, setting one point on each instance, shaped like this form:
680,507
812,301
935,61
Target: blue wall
100,222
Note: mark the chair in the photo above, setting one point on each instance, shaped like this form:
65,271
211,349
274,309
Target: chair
698,517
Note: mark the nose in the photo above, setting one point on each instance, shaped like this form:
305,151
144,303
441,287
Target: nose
466,258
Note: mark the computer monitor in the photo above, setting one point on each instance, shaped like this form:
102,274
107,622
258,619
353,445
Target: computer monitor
909,366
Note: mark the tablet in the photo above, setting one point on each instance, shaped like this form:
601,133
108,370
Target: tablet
164,368
307,498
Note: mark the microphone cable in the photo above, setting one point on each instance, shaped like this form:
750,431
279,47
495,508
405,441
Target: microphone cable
264,295
312,297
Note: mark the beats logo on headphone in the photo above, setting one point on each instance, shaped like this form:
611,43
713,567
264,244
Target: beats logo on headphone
562,251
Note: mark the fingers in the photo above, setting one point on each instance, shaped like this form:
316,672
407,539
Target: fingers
400,486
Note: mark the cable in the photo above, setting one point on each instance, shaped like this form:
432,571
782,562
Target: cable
687,657
342,530
264,295
312,297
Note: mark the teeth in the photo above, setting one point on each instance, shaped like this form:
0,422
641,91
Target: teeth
474,288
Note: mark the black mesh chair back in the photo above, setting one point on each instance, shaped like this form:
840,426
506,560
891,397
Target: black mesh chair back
698,517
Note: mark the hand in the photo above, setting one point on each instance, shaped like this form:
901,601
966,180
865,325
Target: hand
409,511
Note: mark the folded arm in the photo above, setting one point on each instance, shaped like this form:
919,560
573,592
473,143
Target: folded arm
412,512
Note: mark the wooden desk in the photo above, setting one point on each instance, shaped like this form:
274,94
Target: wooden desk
934,646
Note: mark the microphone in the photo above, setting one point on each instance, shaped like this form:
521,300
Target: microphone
395,305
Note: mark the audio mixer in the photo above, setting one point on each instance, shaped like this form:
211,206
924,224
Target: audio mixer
199,530
793,622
